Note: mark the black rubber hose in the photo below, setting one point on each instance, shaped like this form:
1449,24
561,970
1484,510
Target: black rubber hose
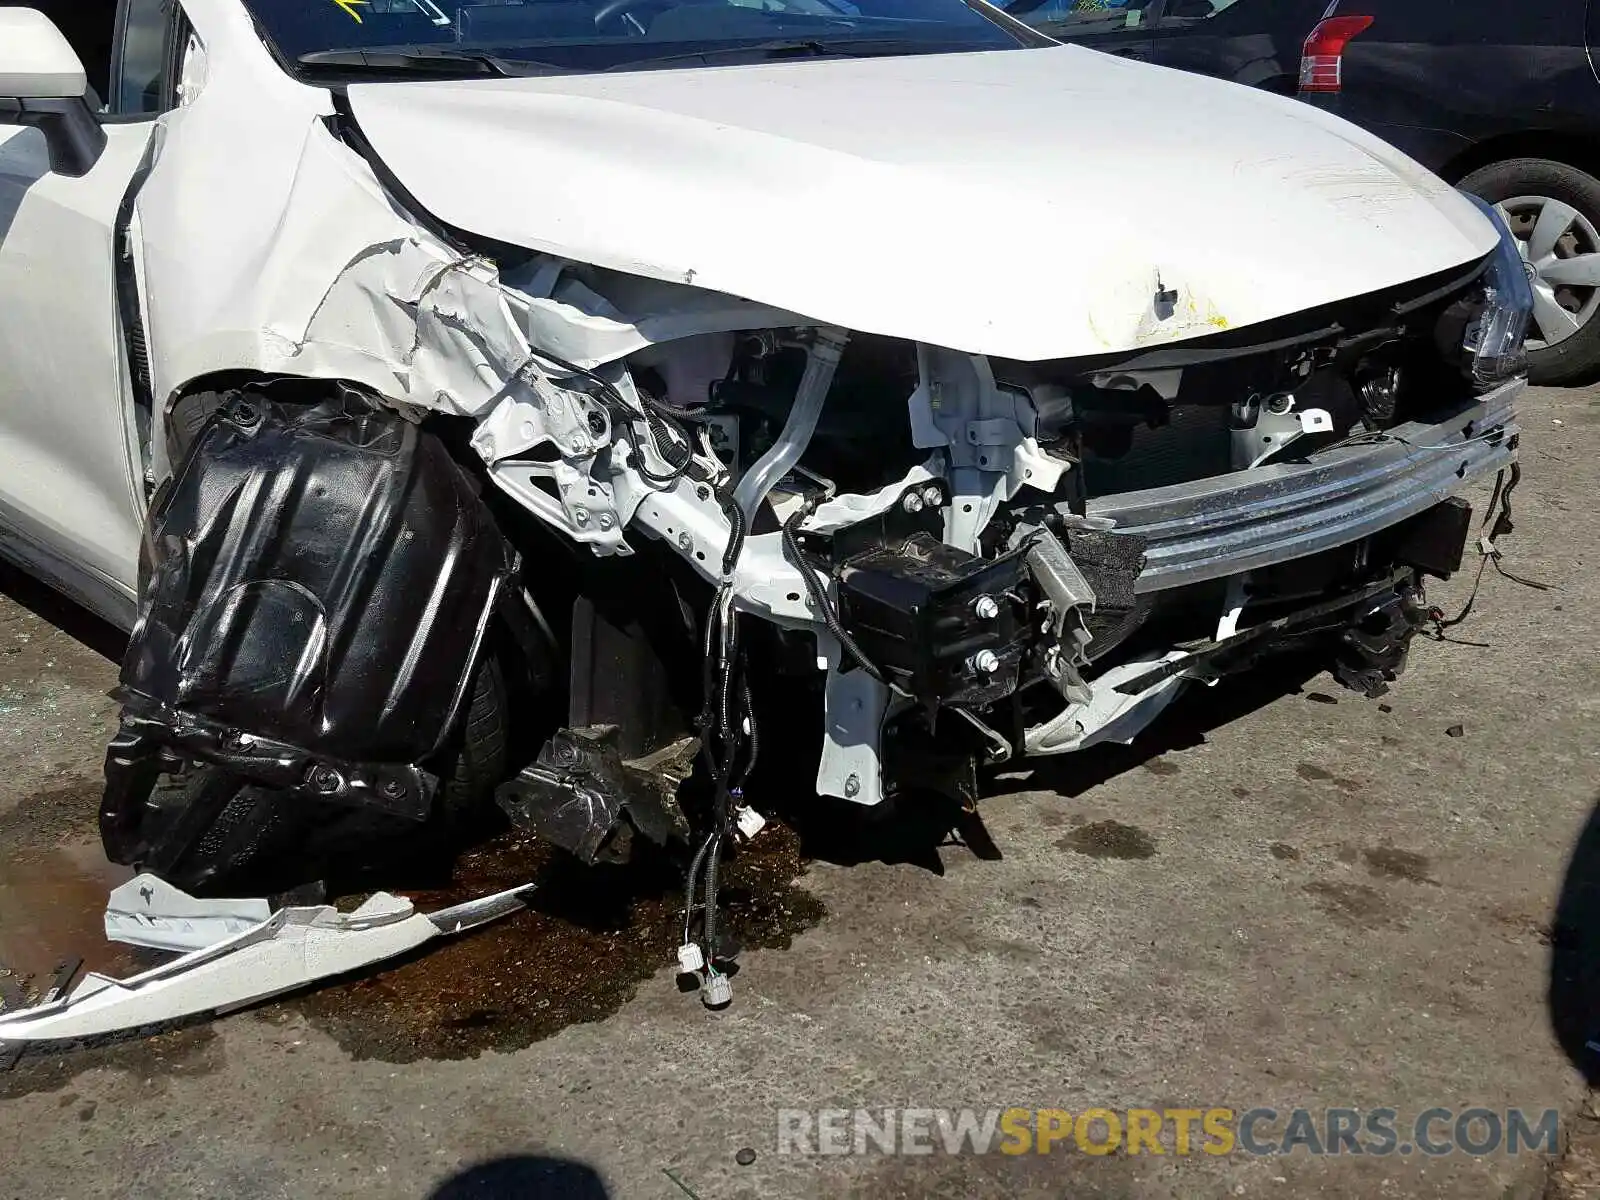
708,683
736,533
690,886
713,864
753,738
655,419
725,696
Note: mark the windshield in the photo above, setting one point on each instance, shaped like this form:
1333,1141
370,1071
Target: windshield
359,38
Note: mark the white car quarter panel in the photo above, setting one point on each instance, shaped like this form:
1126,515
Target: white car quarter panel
64,403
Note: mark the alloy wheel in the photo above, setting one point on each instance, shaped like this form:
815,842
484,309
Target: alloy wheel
1561,255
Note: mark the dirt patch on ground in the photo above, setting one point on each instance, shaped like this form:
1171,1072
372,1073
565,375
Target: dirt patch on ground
1576,1174
176,1053
46,818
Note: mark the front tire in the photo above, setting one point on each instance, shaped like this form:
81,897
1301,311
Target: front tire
1554,212
221,835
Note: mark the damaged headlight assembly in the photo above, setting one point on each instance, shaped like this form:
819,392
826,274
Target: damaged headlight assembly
1495,337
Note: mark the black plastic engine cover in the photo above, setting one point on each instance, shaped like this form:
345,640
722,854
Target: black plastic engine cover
320,580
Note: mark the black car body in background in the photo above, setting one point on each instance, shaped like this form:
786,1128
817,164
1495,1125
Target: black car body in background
1503,100
1254,42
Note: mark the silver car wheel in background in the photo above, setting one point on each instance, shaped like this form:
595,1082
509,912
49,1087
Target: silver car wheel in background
1561,249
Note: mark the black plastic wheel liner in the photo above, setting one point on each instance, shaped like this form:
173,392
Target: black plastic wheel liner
321,579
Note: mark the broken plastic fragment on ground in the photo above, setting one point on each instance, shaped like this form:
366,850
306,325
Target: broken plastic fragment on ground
292,948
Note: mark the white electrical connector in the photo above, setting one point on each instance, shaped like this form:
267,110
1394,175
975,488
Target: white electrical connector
690,960
717,991
749,822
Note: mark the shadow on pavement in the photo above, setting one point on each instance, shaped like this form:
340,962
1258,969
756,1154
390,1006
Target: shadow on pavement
524,1177
1574,994
1185,725
912,829
55,609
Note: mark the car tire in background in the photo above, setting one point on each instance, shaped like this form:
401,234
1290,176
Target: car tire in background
1554,212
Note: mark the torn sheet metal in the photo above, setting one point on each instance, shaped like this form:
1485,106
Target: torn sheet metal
324,277
291,949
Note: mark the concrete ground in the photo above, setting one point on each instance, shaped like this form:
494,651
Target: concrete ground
1286,896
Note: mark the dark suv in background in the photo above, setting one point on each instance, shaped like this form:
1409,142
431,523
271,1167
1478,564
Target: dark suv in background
1498,96
1254,42
1502,99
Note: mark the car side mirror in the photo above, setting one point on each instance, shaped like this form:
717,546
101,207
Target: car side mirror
43,85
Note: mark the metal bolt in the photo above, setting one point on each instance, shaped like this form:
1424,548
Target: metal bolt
932,496
580,444
580,515
393,789
986,607
852,786
912,502
597,424
685,542
607,520
1280,404
326,780
703,492
985,662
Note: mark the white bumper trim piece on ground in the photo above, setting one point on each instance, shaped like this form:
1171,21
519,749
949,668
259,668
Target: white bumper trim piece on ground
292,948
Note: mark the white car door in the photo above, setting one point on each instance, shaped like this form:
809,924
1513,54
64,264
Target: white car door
71,473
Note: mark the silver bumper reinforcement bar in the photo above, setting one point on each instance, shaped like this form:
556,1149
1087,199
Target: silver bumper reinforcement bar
1221,526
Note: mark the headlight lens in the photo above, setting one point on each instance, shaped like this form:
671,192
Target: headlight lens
1494,338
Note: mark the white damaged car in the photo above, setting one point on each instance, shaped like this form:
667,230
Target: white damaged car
400,371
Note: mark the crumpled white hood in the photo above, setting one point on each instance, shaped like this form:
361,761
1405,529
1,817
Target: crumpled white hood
1027,204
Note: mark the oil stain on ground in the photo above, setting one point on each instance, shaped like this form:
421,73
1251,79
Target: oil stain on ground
590,937
1388,863
53,884
1353,904
1109,839
1315,774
